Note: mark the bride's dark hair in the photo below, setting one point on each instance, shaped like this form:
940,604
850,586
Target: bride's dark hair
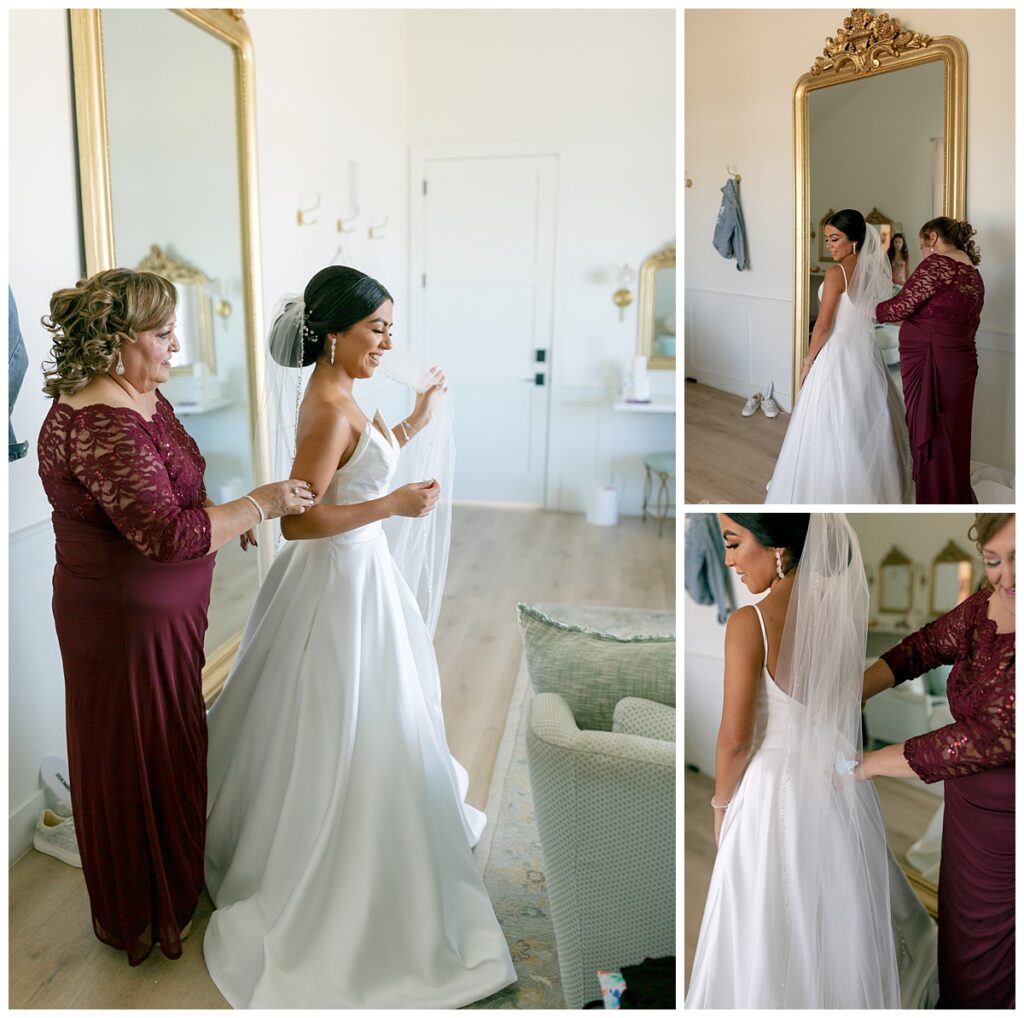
850,222
336,298
777,530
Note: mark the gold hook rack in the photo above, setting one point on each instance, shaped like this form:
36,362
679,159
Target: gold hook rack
301,215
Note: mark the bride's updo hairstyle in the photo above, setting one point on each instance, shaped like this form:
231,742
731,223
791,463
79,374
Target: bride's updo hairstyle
335,299
850,222
956,232
778,530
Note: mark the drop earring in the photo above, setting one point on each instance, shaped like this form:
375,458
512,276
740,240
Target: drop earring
120,364
334,339
778,564
855,247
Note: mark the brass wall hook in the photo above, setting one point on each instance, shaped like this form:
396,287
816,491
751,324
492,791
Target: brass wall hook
732,173
302,215
343,221
375,231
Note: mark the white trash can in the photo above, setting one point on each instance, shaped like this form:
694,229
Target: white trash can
604,506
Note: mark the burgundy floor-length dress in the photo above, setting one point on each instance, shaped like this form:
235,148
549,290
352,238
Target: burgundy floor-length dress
131,590
975,758
940,307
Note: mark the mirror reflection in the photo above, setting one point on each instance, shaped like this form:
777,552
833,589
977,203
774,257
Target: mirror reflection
174,180
899,168
656,321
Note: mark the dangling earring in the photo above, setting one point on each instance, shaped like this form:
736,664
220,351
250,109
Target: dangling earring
855,247
334,339
120,364
778,564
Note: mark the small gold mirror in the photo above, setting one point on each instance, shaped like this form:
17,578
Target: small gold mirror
895,588
656,332
952,577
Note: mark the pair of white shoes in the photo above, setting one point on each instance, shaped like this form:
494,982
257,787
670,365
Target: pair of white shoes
55,835
764,401
55,829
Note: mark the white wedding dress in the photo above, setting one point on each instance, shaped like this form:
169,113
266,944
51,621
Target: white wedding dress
338,849
765,941
847,437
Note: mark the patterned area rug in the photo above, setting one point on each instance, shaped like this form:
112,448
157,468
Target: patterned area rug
510,859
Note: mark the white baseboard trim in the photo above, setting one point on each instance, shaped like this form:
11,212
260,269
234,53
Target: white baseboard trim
21,827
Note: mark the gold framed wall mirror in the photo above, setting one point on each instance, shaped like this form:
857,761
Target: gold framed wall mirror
952,579
656,313
167,166
879,123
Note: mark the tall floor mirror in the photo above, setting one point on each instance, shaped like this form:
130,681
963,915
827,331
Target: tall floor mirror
165,116
879,126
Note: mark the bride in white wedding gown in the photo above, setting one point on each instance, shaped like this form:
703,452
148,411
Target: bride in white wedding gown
338,847
846,441
807,908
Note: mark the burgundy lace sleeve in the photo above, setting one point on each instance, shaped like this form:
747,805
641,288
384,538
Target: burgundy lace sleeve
116,458
932,275
936,644
978,743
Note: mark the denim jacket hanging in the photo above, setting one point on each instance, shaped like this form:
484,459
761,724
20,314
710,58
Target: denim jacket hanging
705,574
17,365
730,231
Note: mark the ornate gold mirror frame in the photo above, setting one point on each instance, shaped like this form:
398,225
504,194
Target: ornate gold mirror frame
954,558
228,26
647,319
869,44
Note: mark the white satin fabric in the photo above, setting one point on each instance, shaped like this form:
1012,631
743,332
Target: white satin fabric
847,437
338,849
764,941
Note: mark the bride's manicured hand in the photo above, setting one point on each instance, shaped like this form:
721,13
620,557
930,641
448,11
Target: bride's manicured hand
719,820
803,374
284,498
424,408
417,499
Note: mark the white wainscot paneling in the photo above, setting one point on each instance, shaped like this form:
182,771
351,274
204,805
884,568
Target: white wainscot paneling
992,431
702,690
738,343
36,681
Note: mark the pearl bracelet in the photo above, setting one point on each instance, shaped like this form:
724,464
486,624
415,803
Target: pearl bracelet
259,508
716,806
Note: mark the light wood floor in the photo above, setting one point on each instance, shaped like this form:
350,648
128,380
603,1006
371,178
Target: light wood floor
729,458
907,811
498,557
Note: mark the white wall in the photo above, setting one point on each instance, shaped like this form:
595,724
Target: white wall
45,244
740,71
599,85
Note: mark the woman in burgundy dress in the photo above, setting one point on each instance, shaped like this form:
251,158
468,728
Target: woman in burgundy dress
135,541
940,307
974,756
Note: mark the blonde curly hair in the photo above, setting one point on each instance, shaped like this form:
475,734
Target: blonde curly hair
986,526
93,319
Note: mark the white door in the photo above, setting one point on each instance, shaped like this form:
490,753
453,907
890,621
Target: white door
482,288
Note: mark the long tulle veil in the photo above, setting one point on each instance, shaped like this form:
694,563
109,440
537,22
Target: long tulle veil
419,546
838,936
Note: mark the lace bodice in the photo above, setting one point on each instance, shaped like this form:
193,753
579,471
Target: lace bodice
108,465
939,289
980,691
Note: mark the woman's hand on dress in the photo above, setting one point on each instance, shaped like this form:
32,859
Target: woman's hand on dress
416,499
423,411
284,498
719,820
804,371
247,539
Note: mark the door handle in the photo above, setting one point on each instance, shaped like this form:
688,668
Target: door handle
537,379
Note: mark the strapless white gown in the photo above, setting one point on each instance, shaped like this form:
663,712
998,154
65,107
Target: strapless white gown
338,849
846,442
745,957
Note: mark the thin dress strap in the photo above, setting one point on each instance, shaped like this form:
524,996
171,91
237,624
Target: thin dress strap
764,636
846,286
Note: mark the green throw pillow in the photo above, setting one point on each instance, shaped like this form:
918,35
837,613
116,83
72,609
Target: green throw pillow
592,670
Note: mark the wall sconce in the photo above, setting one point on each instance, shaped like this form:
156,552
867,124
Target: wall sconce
623,296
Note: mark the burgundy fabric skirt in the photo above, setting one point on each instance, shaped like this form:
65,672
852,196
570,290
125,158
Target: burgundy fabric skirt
131,637
976,892
939,365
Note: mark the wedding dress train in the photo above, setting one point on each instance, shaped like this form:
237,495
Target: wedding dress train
338,846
